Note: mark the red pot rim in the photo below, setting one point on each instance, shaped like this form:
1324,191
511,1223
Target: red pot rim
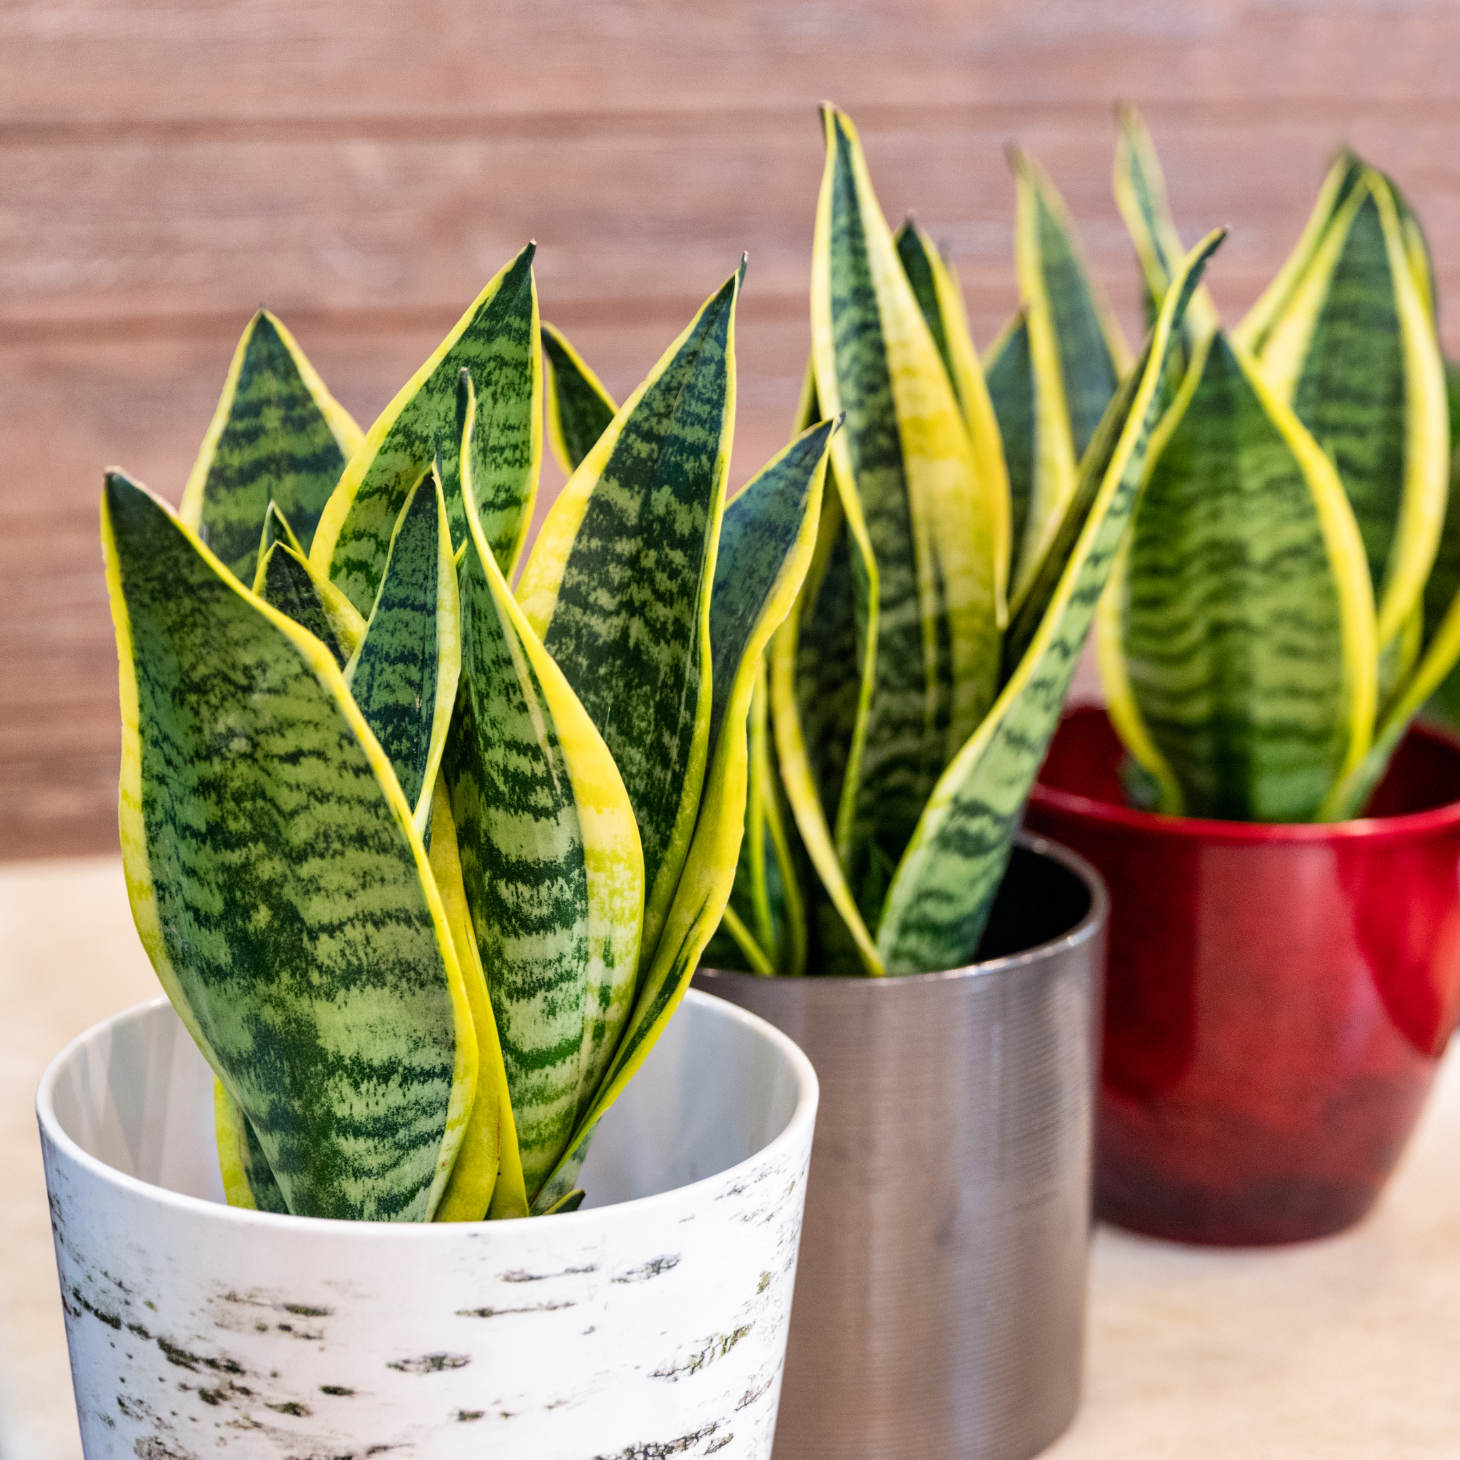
1367,828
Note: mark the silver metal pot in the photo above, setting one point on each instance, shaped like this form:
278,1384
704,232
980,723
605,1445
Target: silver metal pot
940,1303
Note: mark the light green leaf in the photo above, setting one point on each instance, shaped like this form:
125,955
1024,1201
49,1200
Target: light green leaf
1240,655
278,883
765,546
496,342
277,435
579,409
550,862
618,585
404,672
944,886
914,502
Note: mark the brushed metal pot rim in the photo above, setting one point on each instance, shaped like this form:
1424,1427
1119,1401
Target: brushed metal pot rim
803,1116
1087,928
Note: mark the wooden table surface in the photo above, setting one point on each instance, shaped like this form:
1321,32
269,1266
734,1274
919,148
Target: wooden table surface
1342,1350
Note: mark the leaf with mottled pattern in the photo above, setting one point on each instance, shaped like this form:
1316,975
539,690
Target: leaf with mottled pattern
550,862
284,581
1077,356
1237,641
278,883
913,494
277,435
579,409
247,1180
618,585
496,341
404,672
1010,376
942,890
765,544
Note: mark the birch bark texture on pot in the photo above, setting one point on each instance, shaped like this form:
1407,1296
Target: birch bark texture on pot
652,1322
940,1309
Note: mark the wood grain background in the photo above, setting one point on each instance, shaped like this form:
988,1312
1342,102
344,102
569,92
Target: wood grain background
364,165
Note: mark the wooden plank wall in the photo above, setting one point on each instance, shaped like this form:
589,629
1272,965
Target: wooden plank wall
364,165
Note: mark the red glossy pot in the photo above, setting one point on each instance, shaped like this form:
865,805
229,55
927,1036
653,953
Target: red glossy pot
1277,997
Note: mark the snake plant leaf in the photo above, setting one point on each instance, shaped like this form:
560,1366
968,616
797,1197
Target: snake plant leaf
496,342
1443,584
940,298
940,896
1276,301
550,860
1241,661
579,409
1076,352
487,1178
1009,373
277,435
247,1180
276,529
765,546
1355,353
285,582
278,883
1140,194
404,672
618,584
911,492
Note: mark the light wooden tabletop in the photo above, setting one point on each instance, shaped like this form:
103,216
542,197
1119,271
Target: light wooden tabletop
1342,1350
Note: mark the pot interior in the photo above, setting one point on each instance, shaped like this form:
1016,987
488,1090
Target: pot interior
1039,900
720,1086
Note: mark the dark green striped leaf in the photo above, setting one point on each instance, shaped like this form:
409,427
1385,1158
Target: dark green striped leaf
618,585
944,886
247,1180
927,523
496,342
1010,376
579,409
1356,356
765,546
550,862
278,883
404,673
1243,616
285,582
277,435
1442,587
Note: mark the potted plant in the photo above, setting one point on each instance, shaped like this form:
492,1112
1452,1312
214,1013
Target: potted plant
944,982
424,866
1282,849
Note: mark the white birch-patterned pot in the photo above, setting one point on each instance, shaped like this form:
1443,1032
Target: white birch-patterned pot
652,1323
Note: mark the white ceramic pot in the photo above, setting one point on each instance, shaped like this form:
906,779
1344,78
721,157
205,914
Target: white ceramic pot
651,1323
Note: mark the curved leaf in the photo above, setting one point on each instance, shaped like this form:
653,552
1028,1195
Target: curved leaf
944,886
1243,617
579,409
1355,354
912,495
404,672
278,883
550,861
277,435
765,547
618,585
496,341
1076,353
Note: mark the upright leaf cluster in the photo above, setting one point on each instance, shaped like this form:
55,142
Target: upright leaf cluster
1287,599
974,518
425,863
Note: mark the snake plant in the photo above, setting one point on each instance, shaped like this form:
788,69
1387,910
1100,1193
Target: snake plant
1279,613
974,516
424,864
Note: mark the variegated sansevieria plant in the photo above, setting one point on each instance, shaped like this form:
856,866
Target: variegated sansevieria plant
974,516
425,863
1277,617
